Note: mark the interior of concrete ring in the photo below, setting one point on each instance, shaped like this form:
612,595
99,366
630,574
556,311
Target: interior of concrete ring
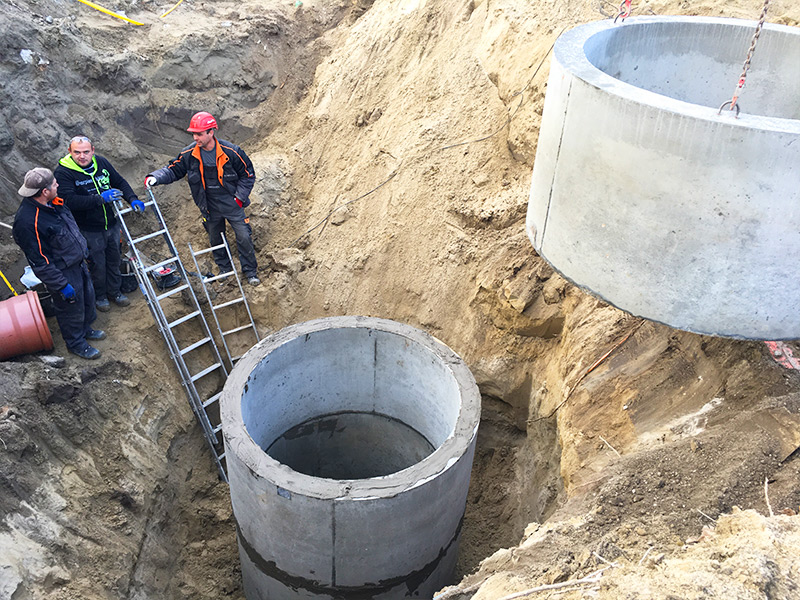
653,56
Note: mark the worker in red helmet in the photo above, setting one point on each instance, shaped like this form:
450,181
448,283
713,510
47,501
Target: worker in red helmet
220,177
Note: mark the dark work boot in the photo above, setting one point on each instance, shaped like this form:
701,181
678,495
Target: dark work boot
87,352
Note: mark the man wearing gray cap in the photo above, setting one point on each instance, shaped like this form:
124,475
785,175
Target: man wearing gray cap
47,233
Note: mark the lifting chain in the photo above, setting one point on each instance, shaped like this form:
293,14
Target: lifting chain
624,10
746,66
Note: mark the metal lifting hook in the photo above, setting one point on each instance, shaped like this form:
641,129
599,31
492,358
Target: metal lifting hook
746,67
624,10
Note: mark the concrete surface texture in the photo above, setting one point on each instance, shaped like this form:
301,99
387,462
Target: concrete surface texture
644,195
390,536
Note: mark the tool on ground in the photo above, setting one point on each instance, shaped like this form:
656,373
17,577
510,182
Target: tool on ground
233,303
13,291
195,359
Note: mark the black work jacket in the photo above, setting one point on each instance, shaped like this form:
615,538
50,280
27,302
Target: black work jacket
234,171
50,239
81,188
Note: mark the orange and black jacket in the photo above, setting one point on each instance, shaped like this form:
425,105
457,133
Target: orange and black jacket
234,171
81,188
50,239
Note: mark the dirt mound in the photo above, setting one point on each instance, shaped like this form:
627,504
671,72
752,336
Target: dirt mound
393,143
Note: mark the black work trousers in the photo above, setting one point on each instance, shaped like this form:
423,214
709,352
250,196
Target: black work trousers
215,226
104,261
75,318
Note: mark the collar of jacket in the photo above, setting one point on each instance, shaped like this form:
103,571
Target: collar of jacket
222,158
50,205
70,163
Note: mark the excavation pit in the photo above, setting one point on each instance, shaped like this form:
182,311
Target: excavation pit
369,428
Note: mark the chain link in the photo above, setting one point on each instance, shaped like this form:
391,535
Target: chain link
746,66
757,33
624,10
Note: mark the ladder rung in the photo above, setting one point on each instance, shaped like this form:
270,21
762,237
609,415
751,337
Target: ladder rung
183,319
124,211
180,288
205,372
221,276
224,304
148,236
218,428
211,401
242,328
207,250
196,345
221,456
161,264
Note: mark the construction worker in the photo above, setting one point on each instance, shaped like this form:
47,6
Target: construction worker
49,236
220,177
88,184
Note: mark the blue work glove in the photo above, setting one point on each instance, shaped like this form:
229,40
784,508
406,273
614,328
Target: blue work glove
111,195
68,293
137,206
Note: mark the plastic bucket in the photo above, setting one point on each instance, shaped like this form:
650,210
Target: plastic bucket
129,283
23,328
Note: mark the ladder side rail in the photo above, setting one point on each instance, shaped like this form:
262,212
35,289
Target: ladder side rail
151,297
162,223
195,400
144,283
243,297
184,274
210,304
195,397
241,291
149,293
201,316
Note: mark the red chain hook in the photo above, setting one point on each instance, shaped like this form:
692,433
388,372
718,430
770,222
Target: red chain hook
624,10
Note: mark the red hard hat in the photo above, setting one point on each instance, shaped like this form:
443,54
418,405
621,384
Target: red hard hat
201,122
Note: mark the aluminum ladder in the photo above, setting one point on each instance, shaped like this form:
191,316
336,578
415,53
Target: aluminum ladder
229,304
204,405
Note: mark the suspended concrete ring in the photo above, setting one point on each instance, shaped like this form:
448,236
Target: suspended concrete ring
648,197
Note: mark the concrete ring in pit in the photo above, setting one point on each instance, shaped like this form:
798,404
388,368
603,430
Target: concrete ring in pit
645,196
379,421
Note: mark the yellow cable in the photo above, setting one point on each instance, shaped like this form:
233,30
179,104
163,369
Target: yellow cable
13,291
109,12
171,9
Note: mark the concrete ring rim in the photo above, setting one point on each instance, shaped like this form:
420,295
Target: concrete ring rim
451,451
569,51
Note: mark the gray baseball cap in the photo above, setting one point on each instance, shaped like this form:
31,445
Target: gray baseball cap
35,181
